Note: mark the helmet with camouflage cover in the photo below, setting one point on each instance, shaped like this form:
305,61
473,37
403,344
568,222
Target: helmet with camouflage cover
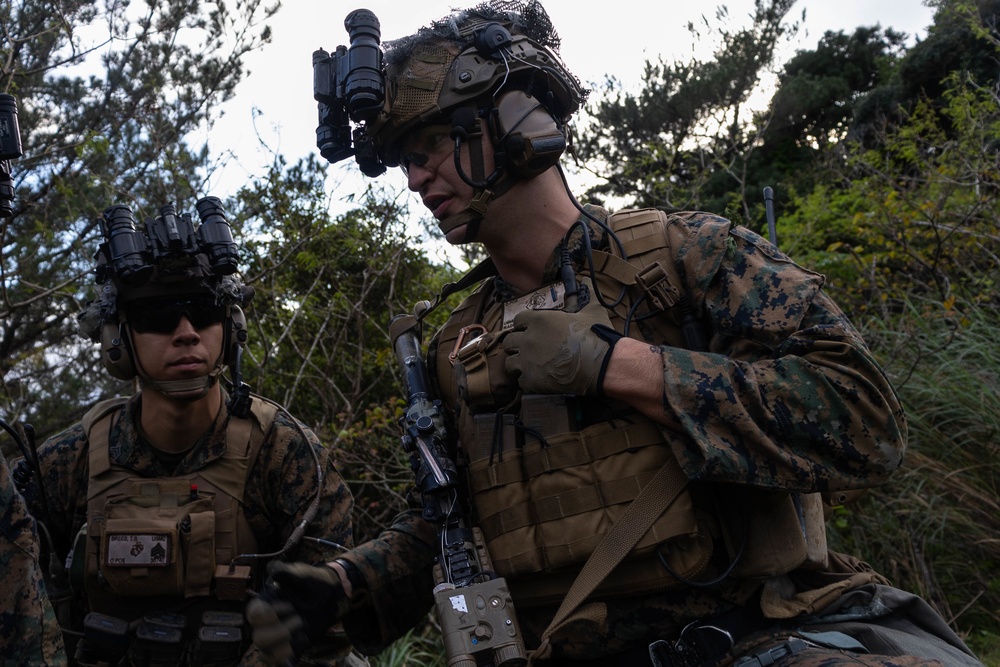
493,68
166,260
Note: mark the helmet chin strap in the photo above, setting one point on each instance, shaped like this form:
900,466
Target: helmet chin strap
467,127
188,391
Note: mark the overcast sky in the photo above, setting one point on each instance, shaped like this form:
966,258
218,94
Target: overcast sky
614,37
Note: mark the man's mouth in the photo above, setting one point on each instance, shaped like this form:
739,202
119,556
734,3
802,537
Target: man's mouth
436,205
186,363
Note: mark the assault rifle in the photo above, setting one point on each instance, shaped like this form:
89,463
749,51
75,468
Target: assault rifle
472,604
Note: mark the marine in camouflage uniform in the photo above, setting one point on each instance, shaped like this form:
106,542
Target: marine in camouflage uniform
725,365
29,633
167,330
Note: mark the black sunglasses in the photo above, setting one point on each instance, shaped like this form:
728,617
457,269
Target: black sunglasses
163,316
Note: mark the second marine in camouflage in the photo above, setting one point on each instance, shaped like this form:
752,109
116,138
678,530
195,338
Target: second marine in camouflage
171,502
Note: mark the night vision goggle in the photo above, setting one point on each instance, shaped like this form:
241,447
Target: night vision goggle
131,253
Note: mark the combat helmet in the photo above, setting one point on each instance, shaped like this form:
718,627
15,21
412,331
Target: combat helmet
493,68
165,259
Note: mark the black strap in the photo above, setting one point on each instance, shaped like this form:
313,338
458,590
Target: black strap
480,272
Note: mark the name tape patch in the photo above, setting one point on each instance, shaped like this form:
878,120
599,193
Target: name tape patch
138,550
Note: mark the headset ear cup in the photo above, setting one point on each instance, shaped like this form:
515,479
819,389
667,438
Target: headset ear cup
115,352
527,134
236,333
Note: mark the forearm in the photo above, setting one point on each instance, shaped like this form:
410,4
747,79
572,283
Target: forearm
635,375
395,569
823,419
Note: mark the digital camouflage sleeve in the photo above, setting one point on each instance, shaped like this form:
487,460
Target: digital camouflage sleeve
788,397
29,633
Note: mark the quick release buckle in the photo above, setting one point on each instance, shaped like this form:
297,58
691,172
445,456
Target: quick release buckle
655,282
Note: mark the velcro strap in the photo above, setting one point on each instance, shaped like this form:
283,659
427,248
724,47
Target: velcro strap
614,267
200,555
646,243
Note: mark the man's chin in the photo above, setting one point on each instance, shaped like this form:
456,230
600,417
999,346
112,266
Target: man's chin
457,235
183,390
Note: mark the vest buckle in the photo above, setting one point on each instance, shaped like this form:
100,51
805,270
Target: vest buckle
653,280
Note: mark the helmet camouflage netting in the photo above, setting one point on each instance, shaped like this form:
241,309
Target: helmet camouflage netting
437,69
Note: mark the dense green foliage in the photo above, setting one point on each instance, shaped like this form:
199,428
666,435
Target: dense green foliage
885,159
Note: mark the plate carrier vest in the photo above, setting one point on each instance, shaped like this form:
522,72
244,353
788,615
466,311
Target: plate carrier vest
547,492
166,536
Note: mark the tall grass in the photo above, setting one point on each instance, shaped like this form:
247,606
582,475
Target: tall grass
417,648
935,529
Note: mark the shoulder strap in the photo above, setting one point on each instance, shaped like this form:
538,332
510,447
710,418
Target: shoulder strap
646,266
646,263
240,435
244,438
652,501
97,427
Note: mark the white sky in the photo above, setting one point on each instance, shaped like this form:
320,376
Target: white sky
614,37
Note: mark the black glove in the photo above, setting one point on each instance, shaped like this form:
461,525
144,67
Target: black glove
297,606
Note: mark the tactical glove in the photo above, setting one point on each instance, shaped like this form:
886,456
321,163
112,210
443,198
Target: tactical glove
555,352
298,605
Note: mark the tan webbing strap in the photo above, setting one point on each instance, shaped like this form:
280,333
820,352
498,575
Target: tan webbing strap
654,499
97,427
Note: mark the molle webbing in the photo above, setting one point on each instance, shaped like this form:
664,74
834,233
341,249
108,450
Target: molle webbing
579,513
567,450
560,499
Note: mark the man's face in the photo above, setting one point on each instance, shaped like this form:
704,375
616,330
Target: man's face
428,160
178,338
